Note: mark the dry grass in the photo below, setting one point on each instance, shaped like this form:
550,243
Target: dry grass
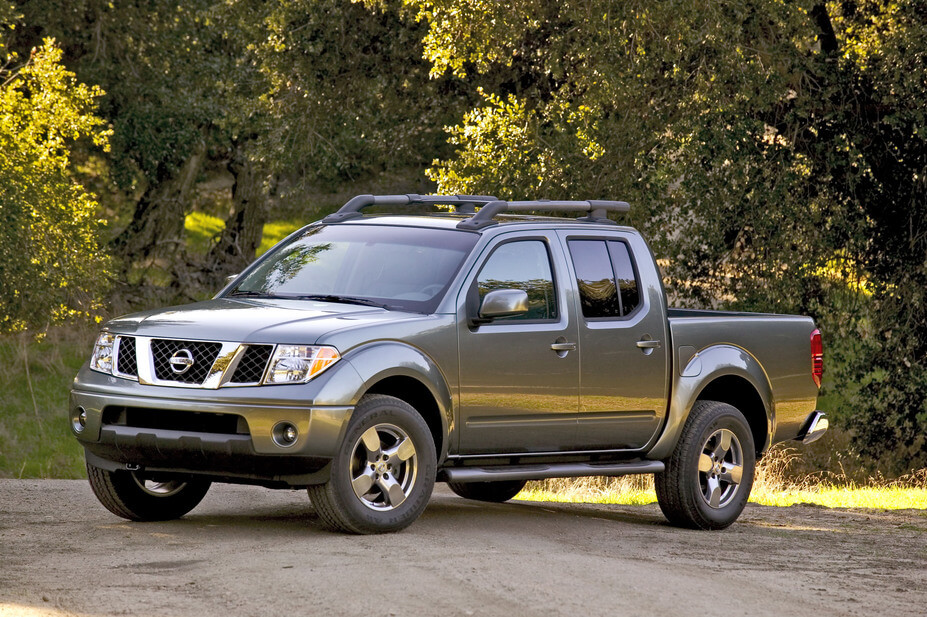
775,485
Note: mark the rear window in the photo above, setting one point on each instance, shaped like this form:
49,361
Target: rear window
606,278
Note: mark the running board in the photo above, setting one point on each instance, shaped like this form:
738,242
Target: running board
552,470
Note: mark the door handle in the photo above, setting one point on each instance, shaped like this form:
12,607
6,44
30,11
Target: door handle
563,346
648,344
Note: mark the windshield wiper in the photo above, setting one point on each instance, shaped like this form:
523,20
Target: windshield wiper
249,293
342,300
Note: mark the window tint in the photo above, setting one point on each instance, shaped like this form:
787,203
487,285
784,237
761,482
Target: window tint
521,265
605,277
595,278
624,273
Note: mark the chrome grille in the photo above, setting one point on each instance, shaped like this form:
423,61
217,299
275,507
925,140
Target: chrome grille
253,362
127,361
203,356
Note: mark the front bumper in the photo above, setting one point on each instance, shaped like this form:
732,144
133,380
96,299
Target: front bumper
226,435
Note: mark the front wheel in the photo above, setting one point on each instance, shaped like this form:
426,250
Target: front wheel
138,498
384,472
708,478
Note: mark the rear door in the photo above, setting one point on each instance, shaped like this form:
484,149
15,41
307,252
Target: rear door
517,393
623,339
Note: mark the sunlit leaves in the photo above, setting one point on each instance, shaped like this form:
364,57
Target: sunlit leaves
51,264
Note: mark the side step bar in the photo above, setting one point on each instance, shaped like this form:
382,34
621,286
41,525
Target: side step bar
551,470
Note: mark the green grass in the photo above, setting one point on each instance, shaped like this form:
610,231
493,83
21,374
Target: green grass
835,496
35,439
276,231
773,486
202,230
828,496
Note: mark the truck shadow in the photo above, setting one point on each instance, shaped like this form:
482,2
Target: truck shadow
442,512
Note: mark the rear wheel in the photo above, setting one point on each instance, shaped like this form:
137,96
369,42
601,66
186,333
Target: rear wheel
709,476
383,475
139,498
497,492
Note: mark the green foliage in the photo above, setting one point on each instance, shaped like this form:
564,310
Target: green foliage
51,265
349,93
774,152
34,439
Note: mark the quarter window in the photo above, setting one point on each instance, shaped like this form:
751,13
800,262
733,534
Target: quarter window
521,265
605,277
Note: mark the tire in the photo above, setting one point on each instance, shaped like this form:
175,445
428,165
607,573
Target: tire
708,478
496,492
131,496
383,473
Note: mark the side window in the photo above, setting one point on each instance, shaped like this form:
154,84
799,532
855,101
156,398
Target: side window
595,278
522,265
605,277
624,273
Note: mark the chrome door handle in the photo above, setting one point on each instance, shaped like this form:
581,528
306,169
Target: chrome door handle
563,346
649,344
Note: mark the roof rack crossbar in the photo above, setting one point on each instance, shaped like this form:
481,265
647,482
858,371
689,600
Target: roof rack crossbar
598,210
352,209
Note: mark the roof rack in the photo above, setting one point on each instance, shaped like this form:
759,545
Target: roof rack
489,207
598,210
462,203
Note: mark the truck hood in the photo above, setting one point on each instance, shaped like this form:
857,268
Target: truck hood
254,320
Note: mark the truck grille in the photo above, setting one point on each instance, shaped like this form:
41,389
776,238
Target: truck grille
127,363
251,367
195,363
202,354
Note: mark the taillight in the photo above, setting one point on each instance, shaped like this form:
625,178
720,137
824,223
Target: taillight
817,357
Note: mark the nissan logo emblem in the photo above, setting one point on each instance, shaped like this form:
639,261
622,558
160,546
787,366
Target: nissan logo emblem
181,361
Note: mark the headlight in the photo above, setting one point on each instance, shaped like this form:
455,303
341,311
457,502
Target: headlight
103,350
300,363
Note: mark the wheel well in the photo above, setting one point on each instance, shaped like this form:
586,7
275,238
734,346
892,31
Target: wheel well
418,395
740,393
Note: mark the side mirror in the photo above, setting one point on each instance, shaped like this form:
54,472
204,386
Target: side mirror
503,303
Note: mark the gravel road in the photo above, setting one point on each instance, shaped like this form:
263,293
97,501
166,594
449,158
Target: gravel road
251,551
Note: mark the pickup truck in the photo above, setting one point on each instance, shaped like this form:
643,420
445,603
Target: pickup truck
367,356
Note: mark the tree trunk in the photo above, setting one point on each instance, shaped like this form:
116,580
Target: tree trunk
157,228
244,227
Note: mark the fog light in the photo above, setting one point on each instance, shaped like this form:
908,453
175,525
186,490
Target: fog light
79,420
285,434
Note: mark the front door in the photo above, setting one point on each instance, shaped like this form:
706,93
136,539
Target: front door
517,393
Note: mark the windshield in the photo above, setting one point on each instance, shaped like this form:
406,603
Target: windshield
406,268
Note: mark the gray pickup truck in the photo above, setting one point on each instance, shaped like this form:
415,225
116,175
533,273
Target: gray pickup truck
367,356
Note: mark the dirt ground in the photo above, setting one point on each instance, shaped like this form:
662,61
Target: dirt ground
251,551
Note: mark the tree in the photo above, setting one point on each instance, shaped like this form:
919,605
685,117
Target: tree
285,98
52,266
774,151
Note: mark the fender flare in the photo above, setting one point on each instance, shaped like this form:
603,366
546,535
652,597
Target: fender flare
382,360
701,369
